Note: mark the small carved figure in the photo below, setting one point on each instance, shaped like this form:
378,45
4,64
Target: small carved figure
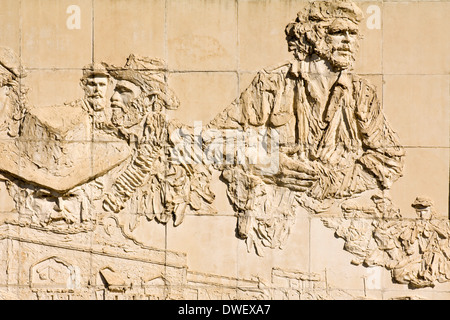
426,243
388,225
417,252
96,82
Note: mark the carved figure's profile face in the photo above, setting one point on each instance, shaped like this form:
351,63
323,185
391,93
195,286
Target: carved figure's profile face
341,43
52,207
123,112
95,90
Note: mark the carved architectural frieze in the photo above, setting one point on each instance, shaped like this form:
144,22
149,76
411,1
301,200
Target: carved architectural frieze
335,148
307,139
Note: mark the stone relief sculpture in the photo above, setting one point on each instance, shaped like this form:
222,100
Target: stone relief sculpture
166,189
107,151
334,140
336,151
13,94
82,175
415,251
75,174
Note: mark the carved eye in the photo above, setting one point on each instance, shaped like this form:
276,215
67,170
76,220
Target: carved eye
43,195
69,195
336,32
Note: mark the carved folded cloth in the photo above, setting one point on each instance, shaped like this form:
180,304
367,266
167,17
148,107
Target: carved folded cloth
336,122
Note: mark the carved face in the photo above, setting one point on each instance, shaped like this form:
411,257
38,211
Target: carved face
123,112
341,43
95,91
52,207
424,213
4,91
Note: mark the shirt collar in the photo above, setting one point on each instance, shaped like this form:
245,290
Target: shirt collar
299,69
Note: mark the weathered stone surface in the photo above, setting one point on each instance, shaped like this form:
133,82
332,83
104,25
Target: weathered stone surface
127,171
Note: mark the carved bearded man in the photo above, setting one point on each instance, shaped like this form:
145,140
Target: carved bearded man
334,138
151,183
139,96
95,83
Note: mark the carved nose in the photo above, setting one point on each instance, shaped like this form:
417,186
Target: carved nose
58,206
346,36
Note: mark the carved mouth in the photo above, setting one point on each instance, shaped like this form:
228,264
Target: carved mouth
344,50
117,105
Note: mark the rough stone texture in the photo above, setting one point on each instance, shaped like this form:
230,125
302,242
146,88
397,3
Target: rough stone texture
114,115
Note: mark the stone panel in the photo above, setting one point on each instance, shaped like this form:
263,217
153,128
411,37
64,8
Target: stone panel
223,150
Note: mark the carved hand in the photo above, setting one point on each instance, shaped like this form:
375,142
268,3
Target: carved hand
157,129
295,174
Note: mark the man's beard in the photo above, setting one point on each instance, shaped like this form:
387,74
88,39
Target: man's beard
337,61
97,103
127,116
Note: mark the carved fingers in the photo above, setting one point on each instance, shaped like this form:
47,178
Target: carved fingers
295,165
291,175
157,128
294,174
297,181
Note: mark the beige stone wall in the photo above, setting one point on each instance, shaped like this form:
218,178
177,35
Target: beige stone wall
213,50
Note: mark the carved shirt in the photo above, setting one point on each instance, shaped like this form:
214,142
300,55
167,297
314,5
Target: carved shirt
342,130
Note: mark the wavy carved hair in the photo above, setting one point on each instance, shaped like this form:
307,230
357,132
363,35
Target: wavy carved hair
305,33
